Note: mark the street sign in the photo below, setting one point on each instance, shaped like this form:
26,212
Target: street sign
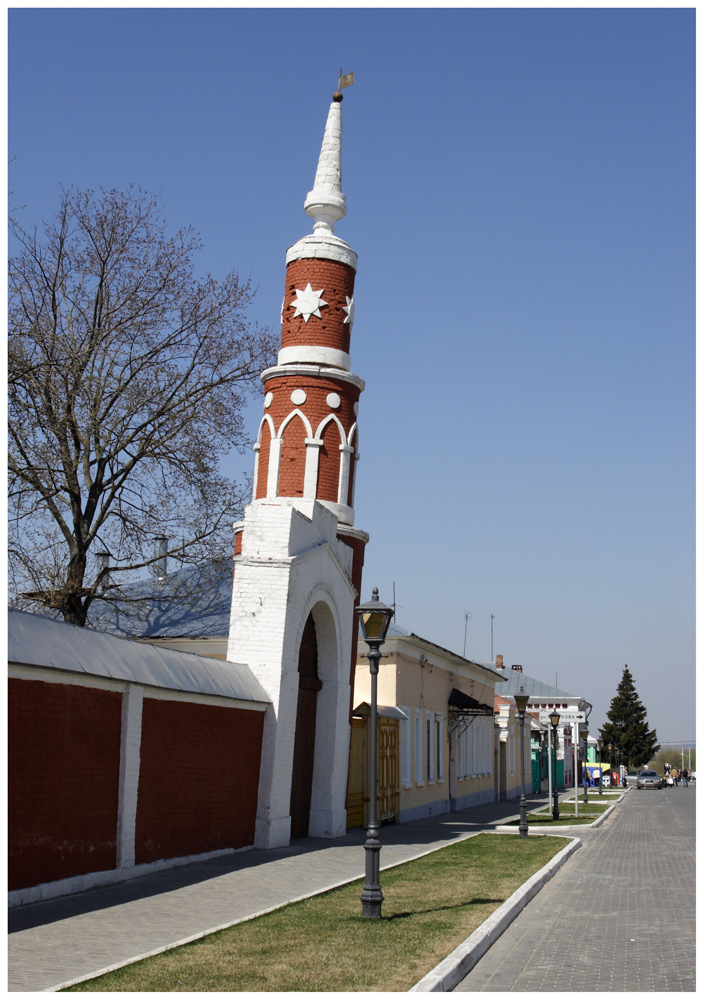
566,718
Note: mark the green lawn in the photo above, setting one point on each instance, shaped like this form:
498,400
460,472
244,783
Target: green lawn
323,944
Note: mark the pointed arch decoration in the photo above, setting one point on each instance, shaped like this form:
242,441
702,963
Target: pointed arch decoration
262,459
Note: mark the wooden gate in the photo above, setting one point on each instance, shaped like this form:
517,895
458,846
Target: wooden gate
387,772
387,806
356,780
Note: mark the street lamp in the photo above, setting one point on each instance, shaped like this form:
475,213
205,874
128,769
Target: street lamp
374,620
601,772
586,761
521,700
554,720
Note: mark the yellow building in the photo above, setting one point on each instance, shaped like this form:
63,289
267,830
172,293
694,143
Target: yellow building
438,744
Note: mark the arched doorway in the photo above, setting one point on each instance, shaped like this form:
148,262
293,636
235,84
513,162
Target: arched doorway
304,744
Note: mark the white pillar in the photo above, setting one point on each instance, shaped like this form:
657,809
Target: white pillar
130,746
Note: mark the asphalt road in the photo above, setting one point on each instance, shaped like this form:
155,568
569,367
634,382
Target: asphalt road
618,917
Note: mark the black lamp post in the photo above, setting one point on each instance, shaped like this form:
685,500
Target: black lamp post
554,720
521,700
586,761
601,772
374,619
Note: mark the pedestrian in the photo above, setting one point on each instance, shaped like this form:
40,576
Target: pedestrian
670,781
685,778
676,777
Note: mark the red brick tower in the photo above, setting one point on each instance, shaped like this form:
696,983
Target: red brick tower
307,443
298,555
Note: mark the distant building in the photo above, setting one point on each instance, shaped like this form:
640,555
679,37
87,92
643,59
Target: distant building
543,698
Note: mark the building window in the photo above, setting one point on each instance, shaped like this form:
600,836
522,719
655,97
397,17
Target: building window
429,746
439,755
511,750
406,748
418,744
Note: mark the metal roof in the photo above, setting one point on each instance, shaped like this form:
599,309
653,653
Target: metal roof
194,602
516,679
41,642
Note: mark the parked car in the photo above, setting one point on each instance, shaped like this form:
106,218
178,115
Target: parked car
649,779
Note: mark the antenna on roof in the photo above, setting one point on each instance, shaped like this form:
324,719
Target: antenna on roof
467,617
393,605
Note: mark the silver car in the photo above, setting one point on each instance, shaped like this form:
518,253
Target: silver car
649,779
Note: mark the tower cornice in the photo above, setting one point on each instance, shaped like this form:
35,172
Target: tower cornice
314,371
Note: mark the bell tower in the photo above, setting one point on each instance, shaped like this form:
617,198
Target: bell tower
298,554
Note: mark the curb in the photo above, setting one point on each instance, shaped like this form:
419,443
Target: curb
452,970
565,826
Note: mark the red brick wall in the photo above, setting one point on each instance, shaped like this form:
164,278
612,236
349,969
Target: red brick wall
63,774
263,461
293,452
199,776
329,464
337,282
293,459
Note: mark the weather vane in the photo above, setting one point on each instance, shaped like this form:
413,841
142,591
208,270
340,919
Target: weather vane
343,81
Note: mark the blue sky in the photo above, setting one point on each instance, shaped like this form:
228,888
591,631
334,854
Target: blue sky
520,187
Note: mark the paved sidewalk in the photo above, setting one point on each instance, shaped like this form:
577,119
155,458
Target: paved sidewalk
55,942
620,917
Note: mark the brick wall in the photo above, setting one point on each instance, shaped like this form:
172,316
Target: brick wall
199,775
195,783
63,774
337,282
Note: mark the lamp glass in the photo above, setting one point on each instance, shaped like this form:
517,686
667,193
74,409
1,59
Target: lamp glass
554,719
521,701
375,618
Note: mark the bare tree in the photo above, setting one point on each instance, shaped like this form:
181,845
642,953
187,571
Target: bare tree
127,381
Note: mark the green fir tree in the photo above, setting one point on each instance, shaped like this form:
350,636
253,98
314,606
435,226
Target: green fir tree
627,728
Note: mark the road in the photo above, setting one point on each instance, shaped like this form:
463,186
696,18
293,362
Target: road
618,917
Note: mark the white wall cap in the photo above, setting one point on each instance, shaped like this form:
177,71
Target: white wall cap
325,246
314,354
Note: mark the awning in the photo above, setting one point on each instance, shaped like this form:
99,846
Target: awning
384,711
462,710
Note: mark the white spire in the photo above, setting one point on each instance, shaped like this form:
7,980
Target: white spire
326,204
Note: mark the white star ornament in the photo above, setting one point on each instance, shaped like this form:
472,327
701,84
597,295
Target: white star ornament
308,302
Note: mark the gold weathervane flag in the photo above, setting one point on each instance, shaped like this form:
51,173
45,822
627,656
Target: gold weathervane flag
345,81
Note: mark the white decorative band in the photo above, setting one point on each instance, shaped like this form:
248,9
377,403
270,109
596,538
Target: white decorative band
326,247
312,355
314,371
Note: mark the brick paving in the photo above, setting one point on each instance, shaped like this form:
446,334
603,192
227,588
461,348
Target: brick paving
619,917
58,941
